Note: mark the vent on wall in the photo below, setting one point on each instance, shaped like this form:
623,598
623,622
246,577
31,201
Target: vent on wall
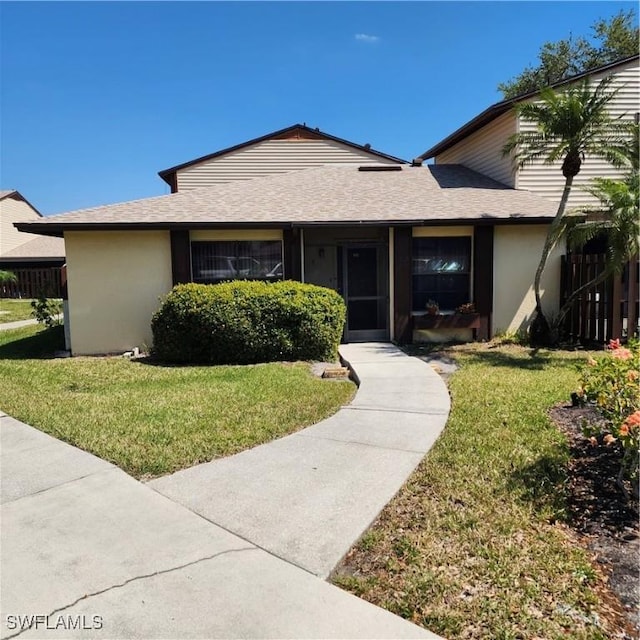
382,167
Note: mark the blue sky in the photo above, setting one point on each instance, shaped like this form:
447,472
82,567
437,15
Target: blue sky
97,97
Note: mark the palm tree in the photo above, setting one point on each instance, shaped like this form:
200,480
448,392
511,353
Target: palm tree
569,126
7,277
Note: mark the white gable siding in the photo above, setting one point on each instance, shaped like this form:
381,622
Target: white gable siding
482,150
269,157
14,210
548,181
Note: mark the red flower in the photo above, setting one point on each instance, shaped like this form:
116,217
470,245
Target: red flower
614,344
633,420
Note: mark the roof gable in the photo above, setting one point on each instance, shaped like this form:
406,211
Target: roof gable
497,109
16,195
294,132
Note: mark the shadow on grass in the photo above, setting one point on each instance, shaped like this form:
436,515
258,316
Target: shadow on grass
543,483
531,360
41,345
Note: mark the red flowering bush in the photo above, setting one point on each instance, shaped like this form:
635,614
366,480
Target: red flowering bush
612,384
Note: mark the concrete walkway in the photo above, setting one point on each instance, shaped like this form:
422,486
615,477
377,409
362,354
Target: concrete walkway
308,497
17,324
82,538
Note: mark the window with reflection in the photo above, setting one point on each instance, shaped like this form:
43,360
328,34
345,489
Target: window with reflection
217,261
441,272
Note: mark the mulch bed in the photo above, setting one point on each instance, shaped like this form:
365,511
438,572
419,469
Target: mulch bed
606,522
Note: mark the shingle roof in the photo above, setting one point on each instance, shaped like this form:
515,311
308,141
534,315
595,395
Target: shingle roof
335,194
4,193
41,247
497,109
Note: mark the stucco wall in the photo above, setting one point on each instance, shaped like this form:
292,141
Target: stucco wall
517,250
115,280
235,234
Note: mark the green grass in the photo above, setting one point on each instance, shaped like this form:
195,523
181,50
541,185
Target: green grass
12,310
151,420
474,545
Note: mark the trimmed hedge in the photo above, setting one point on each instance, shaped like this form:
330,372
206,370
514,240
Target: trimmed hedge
245,322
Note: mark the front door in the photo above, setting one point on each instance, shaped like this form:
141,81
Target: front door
365,282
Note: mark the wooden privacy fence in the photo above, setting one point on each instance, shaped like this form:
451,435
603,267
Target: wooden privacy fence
33,283
608,310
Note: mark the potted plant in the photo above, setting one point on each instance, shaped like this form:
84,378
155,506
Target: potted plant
432,307
467,307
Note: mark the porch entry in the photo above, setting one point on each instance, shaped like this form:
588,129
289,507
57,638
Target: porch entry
358,268
365,290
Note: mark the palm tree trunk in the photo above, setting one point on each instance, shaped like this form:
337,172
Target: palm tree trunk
555,231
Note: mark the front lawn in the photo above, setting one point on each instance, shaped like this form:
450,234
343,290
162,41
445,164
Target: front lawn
12,309
151,420
474,545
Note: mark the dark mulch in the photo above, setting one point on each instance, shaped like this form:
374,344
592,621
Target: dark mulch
599,510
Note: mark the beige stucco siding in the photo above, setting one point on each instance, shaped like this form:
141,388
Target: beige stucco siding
441,232
547,180
270,157
235,234
482,150
115,280
14,210
517,250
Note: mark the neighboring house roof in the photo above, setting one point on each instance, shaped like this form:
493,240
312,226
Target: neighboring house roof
499,108
43,248
168,175
330,194
16,195
22,247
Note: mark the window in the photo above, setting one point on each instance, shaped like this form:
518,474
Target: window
441,272
249,260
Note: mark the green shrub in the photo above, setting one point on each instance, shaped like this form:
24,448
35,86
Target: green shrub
47,311
246,322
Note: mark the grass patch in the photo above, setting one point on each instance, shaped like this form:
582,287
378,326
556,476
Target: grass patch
32,341
12,310
151,420
474,545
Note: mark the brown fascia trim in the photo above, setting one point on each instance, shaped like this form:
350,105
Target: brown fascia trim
58,230
168,175
4,259
499,108
426,222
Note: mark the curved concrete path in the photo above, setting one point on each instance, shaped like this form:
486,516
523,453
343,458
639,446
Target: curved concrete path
309,496
17,324
231,548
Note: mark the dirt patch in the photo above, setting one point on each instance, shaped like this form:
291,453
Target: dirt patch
598,510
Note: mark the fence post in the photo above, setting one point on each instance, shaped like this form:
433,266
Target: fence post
616,300
632,297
